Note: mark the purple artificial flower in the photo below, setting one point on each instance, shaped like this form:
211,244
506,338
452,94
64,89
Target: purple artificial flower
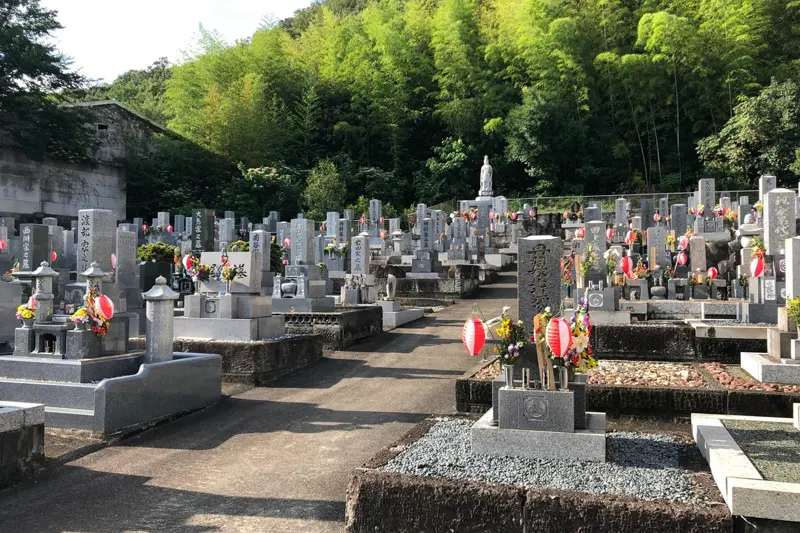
511,347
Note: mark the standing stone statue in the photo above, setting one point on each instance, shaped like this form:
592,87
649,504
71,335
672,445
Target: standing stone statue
486,178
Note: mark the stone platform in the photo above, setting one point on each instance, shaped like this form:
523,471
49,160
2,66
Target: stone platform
340,329
153,392
582,445
21,440
395,316
255,362
230,329
743,487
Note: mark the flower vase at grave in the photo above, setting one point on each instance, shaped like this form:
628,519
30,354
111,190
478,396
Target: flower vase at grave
27,322
563,378
509,374
609,281
580,281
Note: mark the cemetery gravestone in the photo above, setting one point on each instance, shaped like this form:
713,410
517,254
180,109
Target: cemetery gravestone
779,219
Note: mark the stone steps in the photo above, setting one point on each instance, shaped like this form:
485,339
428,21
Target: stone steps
63,417
49,393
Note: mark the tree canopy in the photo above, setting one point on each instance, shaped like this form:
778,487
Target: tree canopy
34,80
403,98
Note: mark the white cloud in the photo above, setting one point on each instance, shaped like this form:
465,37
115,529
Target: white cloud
105,38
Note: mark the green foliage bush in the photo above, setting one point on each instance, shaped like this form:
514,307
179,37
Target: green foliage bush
158,252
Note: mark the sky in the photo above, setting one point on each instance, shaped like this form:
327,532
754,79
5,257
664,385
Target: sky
105,38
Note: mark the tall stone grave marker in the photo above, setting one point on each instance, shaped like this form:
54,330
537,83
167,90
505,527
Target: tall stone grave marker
331,223
591,214
620,219
779,219
202,230
678,221
539,277
35,246
657,246
766,183
697,253
596,237
359,259
375,211
96,232
708,200
648,210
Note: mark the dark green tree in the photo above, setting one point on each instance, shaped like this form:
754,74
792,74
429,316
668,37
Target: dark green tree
34,79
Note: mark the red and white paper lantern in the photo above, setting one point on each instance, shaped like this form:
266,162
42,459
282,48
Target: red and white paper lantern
53,256
580,233
473,335
630,237
188,262
104,306
287,241
610,233
559,336
383,234
626,265
757,267
362,221
681,259
683,242
3,245
712,273
169,229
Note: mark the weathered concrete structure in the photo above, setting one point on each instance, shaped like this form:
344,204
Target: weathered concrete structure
57,188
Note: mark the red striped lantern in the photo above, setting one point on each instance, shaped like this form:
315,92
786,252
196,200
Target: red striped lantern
610,233
559,336
531,213
144,227
188,262
113,261
362,221
712,273
382,220
169,229
53,256
681,260
757,267
287,241
683,242
104,306
383,234
626,264
32,302
3,245
580,233
630,237
473,335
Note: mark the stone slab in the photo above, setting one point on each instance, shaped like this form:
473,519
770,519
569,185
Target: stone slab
707,329
69,370
582,445
768,370
605,318
228,329
303,305
395,319
745,491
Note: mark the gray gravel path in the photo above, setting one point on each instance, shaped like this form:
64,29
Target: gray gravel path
639,465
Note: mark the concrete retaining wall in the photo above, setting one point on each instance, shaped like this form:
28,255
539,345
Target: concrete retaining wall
158,391
384,501
21,441
338,330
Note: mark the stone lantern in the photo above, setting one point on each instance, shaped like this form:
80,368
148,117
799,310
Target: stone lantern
160,322
94,278
43,292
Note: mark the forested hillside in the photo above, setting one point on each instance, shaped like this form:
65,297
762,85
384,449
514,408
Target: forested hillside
400,100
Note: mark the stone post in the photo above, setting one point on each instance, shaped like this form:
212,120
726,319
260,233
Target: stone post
160,322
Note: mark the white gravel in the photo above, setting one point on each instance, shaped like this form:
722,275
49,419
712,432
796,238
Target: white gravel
638,465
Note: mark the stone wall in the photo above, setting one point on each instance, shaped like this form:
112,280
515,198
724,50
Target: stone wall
54,188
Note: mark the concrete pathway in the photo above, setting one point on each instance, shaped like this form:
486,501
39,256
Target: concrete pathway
271,459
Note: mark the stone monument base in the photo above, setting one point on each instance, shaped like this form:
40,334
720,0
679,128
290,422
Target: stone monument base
582,445
230,329
767,369
395,316
304,305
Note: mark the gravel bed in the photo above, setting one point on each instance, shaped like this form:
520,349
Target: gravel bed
641,466
646,374
734,378
736,323
773,448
